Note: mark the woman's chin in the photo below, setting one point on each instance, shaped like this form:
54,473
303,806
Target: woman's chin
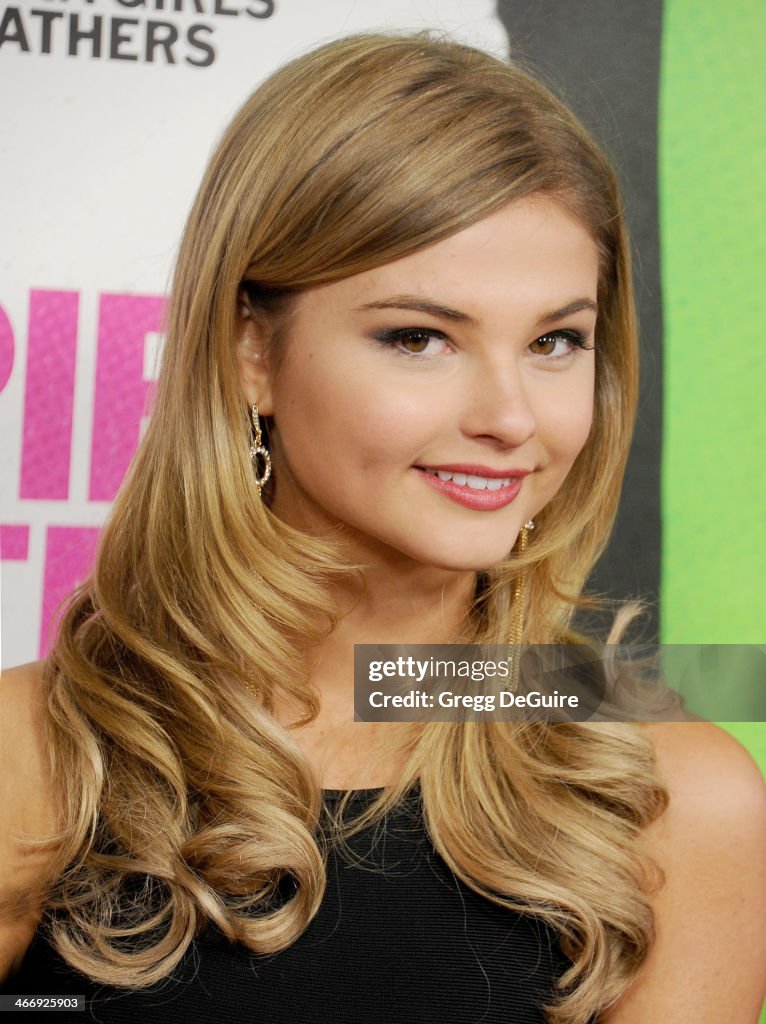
465,560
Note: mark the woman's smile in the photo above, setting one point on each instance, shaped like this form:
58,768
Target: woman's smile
436,403
475,487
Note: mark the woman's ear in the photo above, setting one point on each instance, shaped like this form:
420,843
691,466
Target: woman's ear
252,349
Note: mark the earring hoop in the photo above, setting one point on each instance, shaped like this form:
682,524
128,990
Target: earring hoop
258,451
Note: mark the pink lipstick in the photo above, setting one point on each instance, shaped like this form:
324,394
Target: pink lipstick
477,487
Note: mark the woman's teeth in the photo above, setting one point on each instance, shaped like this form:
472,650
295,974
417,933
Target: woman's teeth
477,483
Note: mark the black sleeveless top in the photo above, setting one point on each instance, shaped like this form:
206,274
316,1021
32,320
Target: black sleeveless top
398,939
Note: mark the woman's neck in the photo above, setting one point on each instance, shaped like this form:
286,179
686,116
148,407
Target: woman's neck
430,607
426,607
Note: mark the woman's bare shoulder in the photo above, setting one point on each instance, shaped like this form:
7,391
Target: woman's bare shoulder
708,962
702,758
26,804
22,685
22,733
717,794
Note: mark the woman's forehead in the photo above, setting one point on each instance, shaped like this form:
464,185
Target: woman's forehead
531,254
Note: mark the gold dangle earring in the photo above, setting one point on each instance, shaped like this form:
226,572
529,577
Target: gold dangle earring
517,625
257,450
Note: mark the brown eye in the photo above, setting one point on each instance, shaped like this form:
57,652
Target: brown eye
569,340
415,341
545,345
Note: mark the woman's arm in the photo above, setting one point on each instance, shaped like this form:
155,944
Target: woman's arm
708,964
25,805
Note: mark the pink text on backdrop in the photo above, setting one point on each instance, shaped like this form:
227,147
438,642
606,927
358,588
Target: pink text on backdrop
49,396
119,397
122,395
69,553
6,348
14,543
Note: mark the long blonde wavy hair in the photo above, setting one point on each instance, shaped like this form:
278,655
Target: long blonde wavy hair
167,769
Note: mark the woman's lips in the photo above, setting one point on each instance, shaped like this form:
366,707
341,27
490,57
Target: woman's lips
490,491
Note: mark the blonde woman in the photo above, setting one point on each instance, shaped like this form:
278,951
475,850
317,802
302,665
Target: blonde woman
401,333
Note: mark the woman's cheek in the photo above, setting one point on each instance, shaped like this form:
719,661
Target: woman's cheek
566,437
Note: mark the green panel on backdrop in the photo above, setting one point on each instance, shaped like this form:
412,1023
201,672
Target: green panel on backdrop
713,247
713,214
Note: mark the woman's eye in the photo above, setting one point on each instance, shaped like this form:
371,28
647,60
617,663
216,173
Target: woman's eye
414,341
559,343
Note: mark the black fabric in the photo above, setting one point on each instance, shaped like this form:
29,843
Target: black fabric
397,940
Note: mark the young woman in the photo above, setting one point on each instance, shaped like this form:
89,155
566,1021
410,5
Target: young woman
395,407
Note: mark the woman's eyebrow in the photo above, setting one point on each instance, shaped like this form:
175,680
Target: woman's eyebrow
418,304
575,306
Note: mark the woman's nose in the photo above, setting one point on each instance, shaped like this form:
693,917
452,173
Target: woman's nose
497,405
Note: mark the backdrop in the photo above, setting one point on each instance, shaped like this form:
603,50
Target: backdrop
111,108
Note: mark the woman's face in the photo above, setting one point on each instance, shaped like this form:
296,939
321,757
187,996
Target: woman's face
431,406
